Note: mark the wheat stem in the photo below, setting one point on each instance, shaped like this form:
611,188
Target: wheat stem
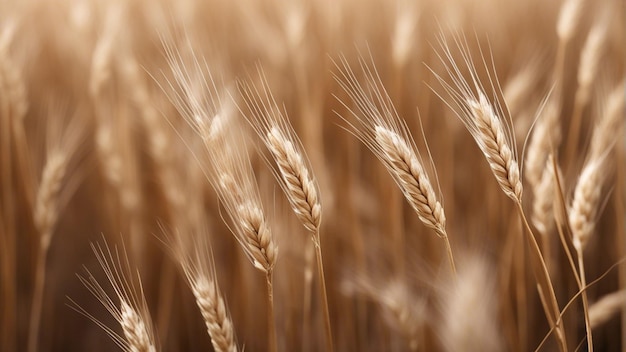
583,283
271,319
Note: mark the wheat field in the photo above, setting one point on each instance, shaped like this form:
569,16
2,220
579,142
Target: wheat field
292,175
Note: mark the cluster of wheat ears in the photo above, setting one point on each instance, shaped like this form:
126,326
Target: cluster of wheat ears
292,175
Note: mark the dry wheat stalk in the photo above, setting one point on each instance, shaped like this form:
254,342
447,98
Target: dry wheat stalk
582,217
300,187
294,172
46,205
498,149
129,307
237,189
493,134
58,182
408,171
198,99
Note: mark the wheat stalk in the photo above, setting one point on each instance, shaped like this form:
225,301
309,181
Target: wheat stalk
59,179
486,123
582,216
586,202
294,172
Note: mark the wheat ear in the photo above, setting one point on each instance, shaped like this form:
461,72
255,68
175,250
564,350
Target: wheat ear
294,172
233,179
582,217
493,134
128,305
195,257
198,98
605,308
587,70
380,128
58,182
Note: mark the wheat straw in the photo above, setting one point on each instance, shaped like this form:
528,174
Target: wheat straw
485,122
294,172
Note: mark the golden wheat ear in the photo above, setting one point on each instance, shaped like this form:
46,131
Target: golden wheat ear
193,253
127,304
61,174
491,127
380,128
292,171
